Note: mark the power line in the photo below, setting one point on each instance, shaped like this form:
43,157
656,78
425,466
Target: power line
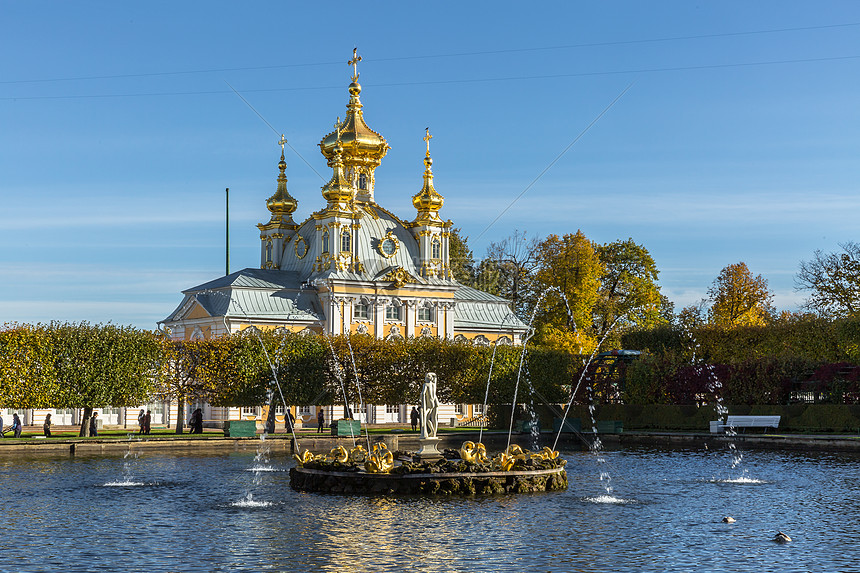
449,55
554,161
456,81
273,129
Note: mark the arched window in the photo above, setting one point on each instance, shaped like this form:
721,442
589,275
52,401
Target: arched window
325,241
345,241
436,248
268,251
362,181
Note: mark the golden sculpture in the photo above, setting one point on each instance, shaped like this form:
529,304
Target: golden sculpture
339,454
306,457
380,460
358,454
472,452
509,458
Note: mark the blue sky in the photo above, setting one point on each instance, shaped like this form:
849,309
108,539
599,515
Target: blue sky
738,139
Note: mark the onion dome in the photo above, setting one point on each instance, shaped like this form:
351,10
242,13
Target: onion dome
282,203
363,148
338,189
428,201
357,138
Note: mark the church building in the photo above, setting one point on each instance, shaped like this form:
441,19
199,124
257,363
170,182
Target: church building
352,266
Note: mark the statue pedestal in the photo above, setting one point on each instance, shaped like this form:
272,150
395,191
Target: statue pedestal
427,449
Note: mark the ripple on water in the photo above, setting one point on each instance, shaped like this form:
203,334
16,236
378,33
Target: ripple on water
249,501
739,480
125,483
607,499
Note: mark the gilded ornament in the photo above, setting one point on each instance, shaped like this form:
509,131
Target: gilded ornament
380,460
300,247
388,245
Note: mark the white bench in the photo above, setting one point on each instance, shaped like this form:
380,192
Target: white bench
744,422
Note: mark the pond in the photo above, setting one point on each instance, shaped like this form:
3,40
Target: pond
230,512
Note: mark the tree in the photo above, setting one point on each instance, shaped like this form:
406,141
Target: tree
568,266
834,279
508,271
460,258
102,365
183,381
629,294
739,299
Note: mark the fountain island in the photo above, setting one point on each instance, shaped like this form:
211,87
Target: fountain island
469,470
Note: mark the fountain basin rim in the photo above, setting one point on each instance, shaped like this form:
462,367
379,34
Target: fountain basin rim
431,475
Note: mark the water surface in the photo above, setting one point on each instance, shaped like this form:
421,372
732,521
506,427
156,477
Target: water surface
230,512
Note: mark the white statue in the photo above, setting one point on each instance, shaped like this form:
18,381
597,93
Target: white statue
429,407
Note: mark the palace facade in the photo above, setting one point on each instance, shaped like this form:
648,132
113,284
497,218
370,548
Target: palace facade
352,266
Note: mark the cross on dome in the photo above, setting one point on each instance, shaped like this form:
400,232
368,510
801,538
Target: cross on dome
427,138
354,63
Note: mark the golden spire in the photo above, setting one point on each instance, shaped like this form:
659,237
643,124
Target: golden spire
428,201
362,148
338,189
282,204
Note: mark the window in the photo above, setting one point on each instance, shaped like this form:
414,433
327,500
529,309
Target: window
478,409
360,311
389,409
268,251
458,409
392,312
436,248
345,241
425,313
306,410
325,241
362,181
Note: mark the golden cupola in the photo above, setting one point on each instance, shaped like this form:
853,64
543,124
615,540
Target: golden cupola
338,191
363,148
275,233
282,204
428,201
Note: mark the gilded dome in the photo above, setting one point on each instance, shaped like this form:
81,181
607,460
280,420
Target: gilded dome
358,140
282,201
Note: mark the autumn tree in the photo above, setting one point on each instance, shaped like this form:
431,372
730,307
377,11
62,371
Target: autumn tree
568,278
834,281
102,365
739,299
27,376
628,294
184,380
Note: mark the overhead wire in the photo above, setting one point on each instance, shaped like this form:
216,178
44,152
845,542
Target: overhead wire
455,81
448,55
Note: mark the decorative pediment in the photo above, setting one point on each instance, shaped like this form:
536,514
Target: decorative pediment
190,310
399,276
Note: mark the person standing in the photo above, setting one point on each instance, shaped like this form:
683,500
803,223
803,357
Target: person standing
197,421
16,425
147,422
320,421
46,427
413,417
94,425
140,417
2,431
